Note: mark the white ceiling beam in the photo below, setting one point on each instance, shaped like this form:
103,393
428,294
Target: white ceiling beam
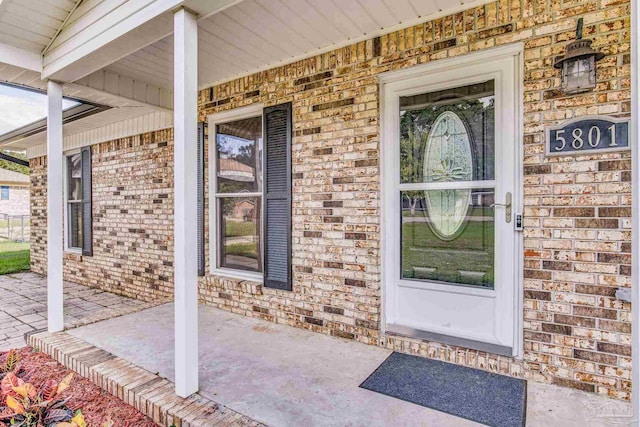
21,58
91,42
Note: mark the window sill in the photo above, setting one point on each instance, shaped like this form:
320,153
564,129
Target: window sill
237,274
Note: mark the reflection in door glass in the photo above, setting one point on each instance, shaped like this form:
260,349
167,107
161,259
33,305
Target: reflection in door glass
466,258
447,153
448,135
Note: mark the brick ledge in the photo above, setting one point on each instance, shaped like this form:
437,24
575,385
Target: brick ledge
147,392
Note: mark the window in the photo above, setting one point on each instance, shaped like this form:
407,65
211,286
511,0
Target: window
250,194
78,202
4,192
74,201
237,194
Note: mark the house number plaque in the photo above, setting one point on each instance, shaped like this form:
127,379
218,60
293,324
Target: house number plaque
586,135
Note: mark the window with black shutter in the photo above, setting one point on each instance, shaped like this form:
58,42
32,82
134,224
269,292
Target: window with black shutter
201,261
251,195
236,200
277,196
87,217
79,224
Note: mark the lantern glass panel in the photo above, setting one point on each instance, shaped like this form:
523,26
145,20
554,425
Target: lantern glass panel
579,75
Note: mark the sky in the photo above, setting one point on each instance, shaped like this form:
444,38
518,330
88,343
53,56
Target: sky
19,107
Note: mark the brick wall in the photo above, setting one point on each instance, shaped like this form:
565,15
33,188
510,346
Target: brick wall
577,236
132,218
18,203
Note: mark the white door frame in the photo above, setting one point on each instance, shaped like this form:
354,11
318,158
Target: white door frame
387,141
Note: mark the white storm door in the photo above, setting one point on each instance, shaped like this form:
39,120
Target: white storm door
450,192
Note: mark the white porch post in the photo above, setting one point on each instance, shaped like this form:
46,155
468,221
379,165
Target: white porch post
185,110
54,207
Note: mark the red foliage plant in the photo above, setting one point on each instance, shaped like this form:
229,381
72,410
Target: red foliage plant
98,406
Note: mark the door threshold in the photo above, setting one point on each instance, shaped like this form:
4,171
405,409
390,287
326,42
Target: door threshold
409,332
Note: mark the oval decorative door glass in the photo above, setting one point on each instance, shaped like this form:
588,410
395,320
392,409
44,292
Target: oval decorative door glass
448,158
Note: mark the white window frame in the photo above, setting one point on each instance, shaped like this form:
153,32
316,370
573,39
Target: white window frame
2,187
65,221
250,111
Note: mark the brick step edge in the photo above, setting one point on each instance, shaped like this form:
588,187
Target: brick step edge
147,392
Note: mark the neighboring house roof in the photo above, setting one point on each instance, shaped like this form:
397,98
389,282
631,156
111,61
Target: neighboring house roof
234,170
11,177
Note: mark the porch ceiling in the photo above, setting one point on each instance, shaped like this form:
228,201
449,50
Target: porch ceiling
31,24
249,36
27,27
243,38
253,35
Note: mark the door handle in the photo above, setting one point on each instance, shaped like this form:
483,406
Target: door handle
507,205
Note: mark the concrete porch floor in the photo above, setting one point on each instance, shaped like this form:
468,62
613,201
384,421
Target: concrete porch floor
283,376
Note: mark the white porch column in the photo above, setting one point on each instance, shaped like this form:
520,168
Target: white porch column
54,207
185,110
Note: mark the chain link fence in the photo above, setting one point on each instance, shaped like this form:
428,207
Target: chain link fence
15,227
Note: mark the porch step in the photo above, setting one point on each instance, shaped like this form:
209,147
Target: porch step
147,392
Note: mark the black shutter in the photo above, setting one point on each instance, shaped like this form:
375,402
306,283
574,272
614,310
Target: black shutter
87,216
277,196
200,189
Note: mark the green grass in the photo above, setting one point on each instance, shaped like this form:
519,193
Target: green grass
14,257
474,211
472,250
242,249
239,228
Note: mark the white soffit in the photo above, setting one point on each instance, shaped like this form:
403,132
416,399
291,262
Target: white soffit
255,35
93,90
21,76
31,24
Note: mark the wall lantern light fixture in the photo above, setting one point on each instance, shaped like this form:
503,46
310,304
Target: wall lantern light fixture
578,64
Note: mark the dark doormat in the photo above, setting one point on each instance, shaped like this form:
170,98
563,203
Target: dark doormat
483,397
